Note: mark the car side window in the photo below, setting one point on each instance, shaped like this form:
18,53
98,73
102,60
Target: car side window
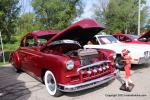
121,38
22,42
30,42
41,41
127,38
124,38
116,36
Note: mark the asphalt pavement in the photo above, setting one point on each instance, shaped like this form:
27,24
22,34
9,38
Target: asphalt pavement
14,86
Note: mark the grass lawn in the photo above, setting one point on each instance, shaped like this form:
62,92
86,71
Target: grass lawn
1,63
7,53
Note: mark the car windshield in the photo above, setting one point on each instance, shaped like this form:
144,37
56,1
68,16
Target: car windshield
134,37
43,39
107,39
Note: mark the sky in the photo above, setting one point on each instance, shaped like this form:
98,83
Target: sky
88,11
26,6
148,3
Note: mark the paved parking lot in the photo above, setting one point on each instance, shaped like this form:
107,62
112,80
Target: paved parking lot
15,86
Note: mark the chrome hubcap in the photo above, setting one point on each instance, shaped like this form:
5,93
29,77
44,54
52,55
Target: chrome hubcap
50,82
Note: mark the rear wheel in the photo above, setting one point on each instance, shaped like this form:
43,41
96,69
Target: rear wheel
51,84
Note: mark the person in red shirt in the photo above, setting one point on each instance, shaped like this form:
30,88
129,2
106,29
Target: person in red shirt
127,59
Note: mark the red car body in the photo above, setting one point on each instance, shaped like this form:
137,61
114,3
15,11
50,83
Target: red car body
133,39
51,50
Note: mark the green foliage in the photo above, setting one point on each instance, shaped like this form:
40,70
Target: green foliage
122,15
7,53
55,14
9,11
147,26
9,47
28,23
48,14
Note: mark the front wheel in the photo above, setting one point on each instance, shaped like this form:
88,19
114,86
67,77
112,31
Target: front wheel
119,63
51,84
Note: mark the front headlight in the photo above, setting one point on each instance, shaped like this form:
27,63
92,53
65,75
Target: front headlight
69,64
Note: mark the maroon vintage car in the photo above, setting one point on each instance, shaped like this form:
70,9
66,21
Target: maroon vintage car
133,39
59,60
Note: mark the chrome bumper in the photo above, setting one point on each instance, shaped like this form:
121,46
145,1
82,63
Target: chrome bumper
88,84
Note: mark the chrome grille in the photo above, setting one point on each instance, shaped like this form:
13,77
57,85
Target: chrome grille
147,54
94,70
100,64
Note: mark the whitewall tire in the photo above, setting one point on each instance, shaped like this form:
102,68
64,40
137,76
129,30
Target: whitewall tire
51,84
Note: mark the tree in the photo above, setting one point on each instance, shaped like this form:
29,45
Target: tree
28,23
100,10
9,11
55,14
147,25
122,15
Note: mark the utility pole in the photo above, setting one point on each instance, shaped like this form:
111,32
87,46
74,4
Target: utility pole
139,15
1,40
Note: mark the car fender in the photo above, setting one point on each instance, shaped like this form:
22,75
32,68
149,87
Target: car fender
14,58
56,65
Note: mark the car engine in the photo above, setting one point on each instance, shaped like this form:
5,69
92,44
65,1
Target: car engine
73,49
86,56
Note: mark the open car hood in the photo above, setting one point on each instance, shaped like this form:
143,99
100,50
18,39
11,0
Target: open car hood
81,31
145,35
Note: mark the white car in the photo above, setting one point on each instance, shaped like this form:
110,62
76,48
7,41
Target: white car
140,53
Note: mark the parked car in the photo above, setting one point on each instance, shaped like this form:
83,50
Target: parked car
140,54
133,39
58,59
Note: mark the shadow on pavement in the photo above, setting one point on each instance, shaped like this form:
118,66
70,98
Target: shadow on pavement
141,66
10,87
20,86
